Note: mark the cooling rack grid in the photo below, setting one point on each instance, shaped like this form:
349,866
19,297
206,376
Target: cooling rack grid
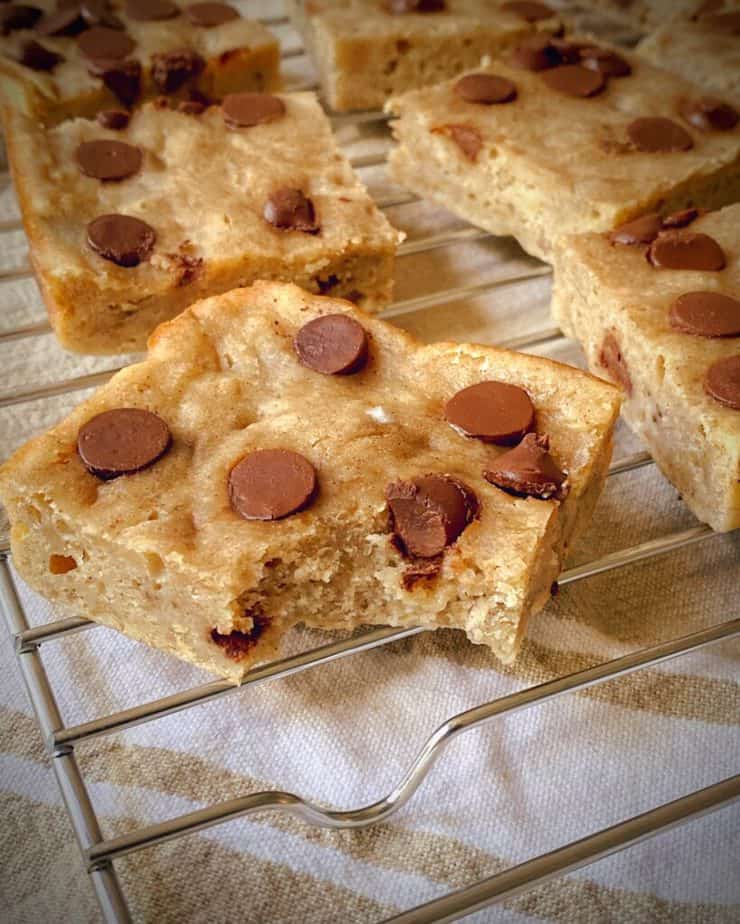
100,854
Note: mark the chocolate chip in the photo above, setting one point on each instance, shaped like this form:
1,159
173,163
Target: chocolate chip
122,78
466,137
722,381
531,12
17,16
429,513
65,21
151,10
171,70
103,44
528,470
656,134
333,344
641,230
236,644
98,13
709,114
537,53
681,219
121,239
575,80
398,7
485,89
611,358
270,484
207,15
604,60
242,110
290,210
494,412
39,58
706,314
104,159
122,441
114,119
686,251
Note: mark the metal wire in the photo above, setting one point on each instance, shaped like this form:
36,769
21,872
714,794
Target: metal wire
61,740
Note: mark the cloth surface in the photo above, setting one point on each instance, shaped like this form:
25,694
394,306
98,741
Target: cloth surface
344,734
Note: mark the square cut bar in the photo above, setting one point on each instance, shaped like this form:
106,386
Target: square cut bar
203,186
658,332
708,50
166,554
542,162
365,53
82,65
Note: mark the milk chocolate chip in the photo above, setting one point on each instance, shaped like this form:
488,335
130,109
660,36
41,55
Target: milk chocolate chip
529,11
114,119
429,513
722,381
466,137
39,58
494,412
103,44
686,251
641,230
681,219
17,16
706,314
398,7
207,15
108,160
122,239
122,441
151,10
485,89
537,53
710,114
611,358
270,484
656,134
604,60
528,470
171,70
575,80
123,78
290,210
333,344
98,13
242,110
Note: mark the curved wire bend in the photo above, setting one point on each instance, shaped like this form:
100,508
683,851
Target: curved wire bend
105,851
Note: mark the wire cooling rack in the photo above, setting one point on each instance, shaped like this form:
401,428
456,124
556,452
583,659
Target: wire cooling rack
100,854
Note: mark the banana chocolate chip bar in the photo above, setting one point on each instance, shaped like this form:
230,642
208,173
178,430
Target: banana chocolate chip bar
656,305
566,136
59,60
130,218
281,457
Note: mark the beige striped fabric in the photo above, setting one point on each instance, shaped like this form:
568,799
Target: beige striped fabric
344,735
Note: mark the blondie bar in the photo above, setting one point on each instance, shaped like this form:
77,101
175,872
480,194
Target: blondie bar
281,457
75,58
708,49
656,305
565,136
365,50
129,224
